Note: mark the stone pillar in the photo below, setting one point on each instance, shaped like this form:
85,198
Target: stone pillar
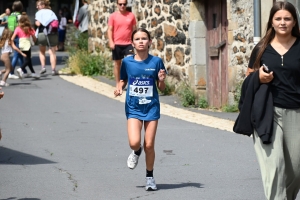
197,34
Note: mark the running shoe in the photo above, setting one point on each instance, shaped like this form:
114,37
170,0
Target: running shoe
132,160
43,70
20,73
150,184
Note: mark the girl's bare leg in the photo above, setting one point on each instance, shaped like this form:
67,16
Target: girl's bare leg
52,53
42,55
6,60
134,127
149,141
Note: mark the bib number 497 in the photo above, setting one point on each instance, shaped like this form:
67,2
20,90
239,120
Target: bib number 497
141,90
141,87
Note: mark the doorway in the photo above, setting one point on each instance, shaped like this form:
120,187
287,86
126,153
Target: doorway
217,57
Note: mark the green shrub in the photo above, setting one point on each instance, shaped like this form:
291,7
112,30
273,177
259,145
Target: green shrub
230,108
203,103
169,90
80,61
186,95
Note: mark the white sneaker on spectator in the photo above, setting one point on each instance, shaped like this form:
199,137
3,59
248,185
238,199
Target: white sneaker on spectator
27,75
43,70
20,73
36,76
12,76
3,84
54,72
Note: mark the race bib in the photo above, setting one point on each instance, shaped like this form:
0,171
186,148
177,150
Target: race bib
141,87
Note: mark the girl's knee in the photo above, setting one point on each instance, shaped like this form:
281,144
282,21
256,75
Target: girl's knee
149,148
135,145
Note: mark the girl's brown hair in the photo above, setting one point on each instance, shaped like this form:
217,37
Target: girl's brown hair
6,35
24,23
45,3
17,6
270,32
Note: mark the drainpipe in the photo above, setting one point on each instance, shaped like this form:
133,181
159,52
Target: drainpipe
257,21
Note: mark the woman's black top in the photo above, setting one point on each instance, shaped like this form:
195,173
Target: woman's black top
285,86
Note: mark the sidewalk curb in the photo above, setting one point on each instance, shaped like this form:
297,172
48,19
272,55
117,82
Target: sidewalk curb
193,117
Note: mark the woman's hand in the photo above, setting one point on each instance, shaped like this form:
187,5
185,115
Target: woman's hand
265,77
23,54
162,75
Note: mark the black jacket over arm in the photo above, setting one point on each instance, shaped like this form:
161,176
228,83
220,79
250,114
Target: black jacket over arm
256,109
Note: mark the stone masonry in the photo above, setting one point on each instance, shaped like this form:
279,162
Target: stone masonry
240,41
168,22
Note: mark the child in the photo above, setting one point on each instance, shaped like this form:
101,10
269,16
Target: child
1,95
6,49
62,31
142,106
24,31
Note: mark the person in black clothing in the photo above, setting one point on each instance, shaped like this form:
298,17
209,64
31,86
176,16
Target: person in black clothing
279,50
68,15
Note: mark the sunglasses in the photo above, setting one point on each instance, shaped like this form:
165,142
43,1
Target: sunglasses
122,4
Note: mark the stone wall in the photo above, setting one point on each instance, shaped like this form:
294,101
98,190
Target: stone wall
169,22
166,20
240,41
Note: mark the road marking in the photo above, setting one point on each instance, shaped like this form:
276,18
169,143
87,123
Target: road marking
171,111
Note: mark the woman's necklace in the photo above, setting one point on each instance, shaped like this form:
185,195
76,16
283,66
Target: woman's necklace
281,60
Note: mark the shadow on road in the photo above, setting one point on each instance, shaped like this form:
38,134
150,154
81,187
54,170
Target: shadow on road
12,198
12,157
175,186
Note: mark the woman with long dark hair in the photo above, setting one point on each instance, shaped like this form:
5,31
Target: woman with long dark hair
279,50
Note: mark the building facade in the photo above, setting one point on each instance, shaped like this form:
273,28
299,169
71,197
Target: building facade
206,43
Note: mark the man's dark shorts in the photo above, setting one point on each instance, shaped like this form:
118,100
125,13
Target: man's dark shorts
122,51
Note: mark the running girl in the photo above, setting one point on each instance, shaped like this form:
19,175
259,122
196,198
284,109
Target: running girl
6,49
24,31
142,107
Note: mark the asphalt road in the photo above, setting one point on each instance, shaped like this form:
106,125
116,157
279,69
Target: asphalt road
61,141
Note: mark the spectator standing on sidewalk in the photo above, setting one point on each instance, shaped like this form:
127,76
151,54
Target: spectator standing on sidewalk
17,9
279,50
61,30
120,27
5,17
144,73
68,15
43,17
83,17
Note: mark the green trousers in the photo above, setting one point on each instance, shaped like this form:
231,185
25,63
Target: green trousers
280,161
